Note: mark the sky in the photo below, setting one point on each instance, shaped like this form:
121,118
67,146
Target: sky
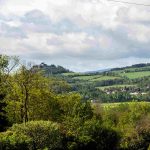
81,35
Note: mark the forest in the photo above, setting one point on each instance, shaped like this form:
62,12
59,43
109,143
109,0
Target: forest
57,109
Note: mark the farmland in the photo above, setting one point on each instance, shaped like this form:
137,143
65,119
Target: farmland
110,105
94,78
135,75
116,86
123,84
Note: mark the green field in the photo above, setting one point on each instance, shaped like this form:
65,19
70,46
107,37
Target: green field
115,86
89,77
107,105
103,78
134,75
94,78
141,69
71,74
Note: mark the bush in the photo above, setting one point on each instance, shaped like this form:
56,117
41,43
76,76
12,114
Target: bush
32,135
13,141
90,135
97,137
138,137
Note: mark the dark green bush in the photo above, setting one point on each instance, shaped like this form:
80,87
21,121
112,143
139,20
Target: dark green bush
90,135
93,134
12,141
32,135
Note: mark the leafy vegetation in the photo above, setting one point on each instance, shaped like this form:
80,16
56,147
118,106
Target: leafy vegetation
40,111
50,70
131,121
32,135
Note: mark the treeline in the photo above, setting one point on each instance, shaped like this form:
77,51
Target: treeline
133,66
89,90
49,70
39,112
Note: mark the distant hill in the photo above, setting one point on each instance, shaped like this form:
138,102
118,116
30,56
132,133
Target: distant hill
108,85
136,67
98,71
133,66
51,69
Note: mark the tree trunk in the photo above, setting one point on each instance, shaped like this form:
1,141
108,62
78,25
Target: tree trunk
26,105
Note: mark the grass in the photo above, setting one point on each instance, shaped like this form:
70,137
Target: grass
104,78
115,86
136,69
135,75
90,77
71,74
111,105
94,78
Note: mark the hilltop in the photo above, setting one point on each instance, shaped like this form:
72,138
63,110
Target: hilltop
136,66
50,69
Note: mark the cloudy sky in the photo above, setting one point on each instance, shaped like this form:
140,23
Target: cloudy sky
81,35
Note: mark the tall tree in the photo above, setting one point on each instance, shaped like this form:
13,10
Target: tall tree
7,64
32,96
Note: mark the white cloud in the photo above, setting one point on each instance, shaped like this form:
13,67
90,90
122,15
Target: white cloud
96,31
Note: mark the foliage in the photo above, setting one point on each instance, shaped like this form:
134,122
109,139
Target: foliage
89,134
30,95
7,64
32,135
46,112
12,141
50,69
131,120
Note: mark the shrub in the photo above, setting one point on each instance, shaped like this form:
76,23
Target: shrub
13,141
32,135
93,134
90,135
139,137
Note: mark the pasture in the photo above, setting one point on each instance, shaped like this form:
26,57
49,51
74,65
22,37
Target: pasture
135,75
115,86
113,105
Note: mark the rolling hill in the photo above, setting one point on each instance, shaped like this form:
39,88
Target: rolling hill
114,85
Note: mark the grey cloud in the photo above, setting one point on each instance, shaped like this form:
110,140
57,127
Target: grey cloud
37,21
54,41
5,18
121,47
9,31
124,46
36,17
83,63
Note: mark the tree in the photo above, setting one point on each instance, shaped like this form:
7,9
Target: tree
25,84
34,97
7,64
